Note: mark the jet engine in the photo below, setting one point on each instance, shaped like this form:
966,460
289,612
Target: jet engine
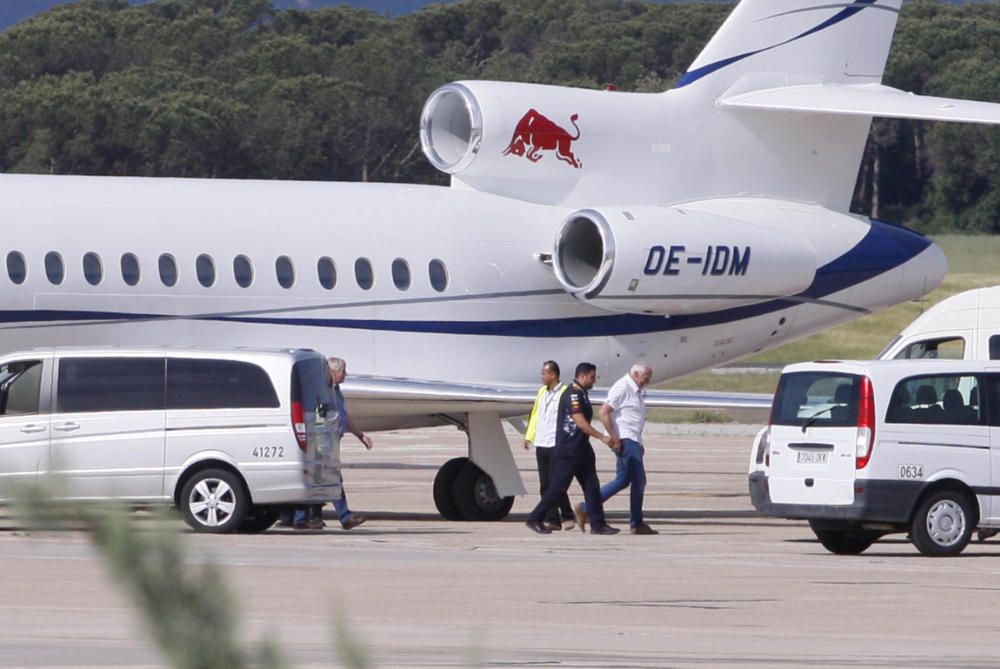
537,143
660,260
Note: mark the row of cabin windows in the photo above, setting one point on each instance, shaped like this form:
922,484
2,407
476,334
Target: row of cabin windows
243,271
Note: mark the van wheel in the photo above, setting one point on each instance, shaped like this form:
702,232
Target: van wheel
844,542
943,523
213,500
476,495
443,483
258,520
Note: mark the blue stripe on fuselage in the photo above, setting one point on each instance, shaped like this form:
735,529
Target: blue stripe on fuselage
884,248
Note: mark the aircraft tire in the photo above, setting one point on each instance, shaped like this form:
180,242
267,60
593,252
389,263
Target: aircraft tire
444,482
476,495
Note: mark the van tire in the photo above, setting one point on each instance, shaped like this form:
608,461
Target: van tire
943,524
214,500
476,495
845,543
259,520
443,484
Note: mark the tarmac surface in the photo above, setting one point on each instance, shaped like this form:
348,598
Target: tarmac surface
718,587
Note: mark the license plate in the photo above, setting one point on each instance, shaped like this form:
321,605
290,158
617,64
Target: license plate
812,457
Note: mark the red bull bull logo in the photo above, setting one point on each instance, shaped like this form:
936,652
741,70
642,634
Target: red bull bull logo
535,133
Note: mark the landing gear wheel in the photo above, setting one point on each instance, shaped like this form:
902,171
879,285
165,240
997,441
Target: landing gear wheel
943,524
258,520
476,495
214,500
845,541
443,484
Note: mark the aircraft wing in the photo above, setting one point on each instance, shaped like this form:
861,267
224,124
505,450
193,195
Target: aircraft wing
864,100
375,399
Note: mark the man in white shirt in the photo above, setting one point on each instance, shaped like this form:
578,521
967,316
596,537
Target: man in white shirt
624,416
542,433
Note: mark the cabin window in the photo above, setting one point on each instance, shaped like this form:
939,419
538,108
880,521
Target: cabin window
285,271
363,273
93,271
130,269
242,271
168,270
438,275
54,269
205,268
327,273
17,269
401,273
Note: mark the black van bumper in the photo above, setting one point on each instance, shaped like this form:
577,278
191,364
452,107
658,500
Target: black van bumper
875,500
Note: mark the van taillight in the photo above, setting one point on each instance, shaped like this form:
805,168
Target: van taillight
299,424
866,425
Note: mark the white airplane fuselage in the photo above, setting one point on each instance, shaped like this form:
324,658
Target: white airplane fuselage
502,312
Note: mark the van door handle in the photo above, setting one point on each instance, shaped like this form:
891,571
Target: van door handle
31,429
67,427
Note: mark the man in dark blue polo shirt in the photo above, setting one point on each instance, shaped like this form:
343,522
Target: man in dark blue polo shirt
574,455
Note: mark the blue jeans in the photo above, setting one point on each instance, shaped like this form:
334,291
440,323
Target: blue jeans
629,471
340,504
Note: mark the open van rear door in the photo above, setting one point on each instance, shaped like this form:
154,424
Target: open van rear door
316,420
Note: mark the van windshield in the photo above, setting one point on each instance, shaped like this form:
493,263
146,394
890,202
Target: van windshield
822,399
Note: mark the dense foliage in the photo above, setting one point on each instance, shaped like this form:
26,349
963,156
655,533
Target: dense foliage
233,88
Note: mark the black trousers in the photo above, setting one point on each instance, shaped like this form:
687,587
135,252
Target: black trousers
581,464
562,509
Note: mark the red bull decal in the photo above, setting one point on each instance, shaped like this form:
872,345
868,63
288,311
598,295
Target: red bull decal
535,133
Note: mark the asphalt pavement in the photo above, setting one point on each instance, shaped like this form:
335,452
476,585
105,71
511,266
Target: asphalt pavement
718,587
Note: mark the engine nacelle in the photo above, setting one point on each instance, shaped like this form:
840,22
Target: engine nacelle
659,260
538,143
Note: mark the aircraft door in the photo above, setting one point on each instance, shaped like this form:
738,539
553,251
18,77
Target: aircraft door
24,423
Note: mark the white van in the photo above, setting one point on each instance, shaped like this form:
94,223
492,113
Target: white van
965,326
230,437
863,449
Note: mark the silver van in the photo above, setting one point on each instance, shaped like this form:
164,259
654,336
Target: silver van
229,437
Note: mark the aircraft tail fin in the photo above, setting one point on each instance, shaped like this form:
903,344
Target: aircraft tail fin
748,146
845,42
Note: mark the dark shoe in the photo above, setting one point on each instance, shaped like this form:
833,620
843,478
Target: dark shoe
538,526
643,529
604,529
984,534
313,524
581,517
352,521
555,526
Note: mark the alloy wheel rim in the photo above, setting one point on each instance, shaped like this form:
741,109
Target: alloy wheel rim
212,502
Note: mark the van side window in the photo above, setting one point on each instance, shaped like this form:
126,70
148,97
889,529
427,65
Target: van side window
946,348
194,383
948,399
110,384
994,347
20,383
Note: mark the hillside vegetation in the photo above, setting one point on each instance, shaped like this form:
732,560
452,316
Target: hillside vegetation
233,88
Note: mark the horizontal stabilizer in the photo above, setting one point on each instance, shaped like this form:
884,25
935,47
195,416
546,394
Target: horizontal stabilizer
864,100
